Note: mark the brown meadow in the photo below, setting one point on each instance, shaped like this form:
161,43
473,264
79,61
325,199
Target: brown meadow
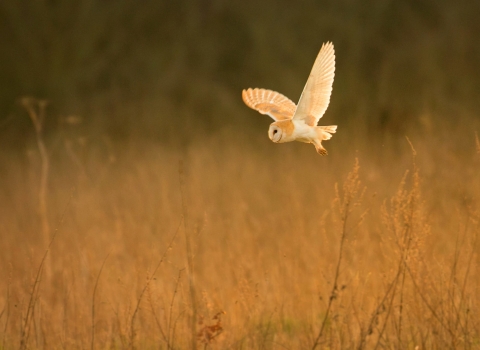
235,243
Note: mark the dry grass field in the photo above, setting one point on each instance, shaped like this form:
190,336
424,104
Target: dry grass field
231,242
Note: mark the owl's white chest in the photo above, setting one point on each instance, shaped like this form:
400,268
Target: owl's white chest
303,132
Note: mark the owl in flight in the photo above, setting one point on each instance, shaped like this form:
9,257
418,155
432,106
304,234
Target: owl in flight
299,123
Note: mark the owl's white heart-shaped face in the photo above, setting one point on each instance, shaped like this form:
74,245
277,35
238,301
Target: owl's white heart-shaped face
275,133
281,131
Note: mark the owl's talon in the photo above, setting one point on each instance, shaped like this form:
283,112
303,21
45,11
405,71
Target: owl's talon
322,151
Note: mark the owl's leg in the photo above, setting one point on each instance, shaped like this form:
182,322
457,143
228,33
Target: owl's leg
320,149
323,133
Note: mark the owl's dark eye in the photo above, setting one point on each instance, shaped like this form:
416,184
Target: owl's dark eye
275,131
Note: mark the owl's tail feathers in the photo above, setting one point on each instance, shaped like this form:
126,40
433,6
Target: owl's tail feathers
325,132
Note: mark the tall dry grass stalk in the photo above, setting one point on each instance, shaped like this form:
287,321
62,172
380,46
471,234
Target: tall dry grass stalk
477,141
352,196
92,344
34,295
36,109
189,257
146,286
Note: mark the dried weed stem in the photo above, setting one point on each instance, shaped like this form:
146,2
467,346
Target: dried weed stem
190,266
351,197
25,329
93,301
149,279
36,111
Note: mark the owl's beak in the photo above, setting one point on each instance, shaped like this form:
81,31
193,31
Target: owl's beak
276,136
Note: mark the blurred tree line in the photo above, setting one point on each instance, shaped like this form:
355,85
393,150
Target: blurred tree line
154,65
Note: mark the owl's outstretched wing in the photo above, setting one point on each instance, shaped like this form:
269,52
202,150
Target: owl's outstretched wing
316,94
269,102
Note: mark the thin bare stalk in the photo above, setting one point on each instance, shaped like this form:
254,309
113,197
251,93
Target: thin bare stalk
189,252
93,301
432,310
333,293
477,143
155,316
394,284
350,190
464,286
453,281
36,111
174,328
170,314
453,273
376,313
405,244
25,330
65,317
7,307
265,331
137,307
406,249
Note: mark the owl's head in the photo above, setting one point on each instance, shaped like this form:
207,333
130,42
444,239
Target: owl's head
275,132
281,131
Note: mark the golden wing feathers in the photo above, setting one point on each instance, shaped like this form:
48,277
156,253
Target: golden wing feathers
269,102
316,94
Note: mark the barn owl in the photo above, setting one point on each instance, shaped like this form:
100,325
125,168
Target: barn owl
299,123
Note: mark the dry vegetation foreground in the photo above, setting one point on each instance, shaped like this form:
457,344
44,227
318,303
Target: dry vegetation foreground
242,244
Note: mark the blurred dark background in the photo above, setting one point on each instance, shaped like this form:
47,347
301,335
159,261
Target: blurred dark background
152,68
